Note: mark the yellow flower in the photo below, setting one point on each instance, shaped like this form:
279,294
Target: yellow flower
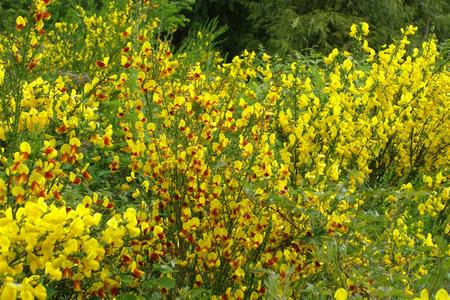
158,230
439,178
70,247
442,295
102,63
410,30
423,295
248,149
25,148
239,273
54,273
365,28
340,294
266,57
429,241
20,23
239,294
428,180
347,65
40,292
75,142
353,30
2,76
9,289
330,58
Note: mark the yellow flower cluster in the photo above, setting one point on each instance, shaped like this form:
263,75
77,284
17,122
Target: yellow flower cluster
128,169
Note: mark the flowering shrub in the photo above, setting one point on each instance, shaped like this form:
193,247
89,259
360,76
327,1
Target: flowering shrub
129,171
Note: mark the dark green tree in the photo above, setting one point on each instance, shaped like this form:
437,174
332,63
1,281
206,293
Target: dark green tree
323,24
284,25
230,14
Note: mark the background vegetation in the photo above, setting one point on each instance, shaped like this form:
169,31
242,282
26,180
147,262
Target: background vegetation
278,26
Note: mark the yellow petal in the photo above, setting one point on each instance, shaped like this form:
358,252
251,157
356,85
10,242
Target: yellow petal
20,23
9,290
157,230
40,292
340,294
424,295
75,142
442,295
25,147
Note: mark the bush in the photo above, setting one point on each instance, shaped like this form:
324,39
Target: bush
130,171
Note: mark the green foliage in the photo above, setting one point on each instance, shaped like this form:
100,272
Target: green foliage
278,26
202,42
60,9
66,10
433,16
323,24
9,10
230,13
284,25
171,13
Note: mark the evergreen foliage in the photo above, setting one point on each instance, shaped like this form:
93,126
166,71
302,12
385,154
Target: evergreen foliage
283,25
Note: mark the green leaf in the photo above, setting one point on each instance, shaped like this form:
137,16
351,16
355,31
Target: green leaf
200,293
148,284
166,282
163,269
125,278
127,297
50,291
